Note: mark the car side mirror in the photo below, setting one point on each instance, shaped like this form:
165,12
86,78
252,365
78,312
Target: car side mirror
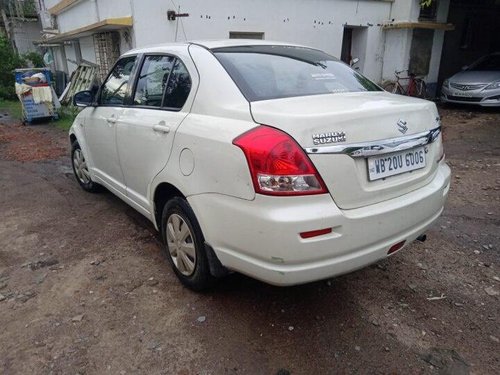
83,99
465,67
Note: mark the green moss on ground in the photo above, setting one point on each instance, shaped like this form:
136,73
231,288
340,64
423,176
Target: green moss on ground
13,107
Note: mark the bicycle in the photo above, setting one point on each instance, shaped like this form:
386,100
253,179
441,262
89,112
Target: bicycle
416,86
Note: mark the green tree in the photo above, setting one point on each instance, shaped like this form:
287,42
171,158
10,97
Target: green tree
35,58
10,61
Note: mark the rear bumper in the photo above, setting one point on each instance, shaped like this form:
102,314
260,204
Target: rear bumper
260,238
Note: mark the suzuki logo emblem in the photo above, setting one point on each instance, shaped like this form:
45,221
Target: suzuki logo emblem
402,126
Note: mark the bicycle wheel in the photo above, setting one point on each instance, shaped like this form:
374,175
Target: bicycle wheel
393,88
421,89
418,89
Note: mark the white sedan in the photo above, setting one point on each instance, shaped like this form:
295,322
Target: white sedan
273,160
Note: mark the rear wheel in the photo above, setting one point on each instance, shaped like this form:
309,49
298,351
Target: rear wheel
184,245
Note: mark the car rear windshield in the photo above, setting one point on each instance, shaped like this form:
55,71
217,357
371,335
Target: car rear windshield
272,72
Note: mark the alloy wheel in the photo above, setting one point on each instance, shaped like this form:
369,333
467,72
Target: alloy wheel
181,245
81,168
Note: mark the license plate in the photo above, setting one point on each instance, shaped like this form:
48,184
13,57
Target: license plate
398,162
463,94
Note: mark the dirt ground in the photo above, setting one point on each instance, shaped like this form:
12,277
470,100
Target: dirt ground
84,288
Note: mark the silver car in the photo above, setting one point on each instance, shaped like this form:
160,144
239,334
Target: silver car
477,84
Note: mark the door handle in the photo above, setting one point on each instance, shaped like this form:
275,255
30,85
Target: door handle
161,129
111,120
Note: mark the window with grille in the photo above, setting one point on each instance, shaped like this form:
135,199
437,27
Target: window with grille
107,51
428,13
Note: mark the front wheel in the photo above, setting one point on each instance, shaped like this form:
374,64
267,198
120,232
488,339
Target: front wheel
81,169
184,245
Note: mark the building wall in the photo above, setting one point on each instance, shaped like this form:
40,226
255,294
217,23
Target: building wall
316,23
87,12
113,8
59,58
87,48
25,33
50,3
398,42
405,10
80,15
69,49
396,52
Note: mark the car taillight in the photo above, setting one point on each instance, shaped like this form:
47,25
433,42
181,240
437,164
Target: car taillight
278,165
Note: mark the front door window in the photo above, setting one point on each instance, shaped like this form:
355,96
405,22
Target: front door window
114,90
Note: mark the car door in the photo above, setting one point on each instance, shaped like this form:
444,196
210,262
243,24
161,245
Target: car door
147,127
100,125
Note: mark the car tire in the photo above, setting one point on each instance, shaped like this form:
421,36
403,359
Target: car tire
184,245
81,171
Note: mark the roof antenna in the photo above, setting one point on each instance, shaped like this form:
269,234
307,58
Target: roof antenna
177,23
172,15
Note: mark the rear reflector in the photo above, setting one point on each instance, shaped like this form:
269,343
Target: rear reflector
396,247
315,233
440,148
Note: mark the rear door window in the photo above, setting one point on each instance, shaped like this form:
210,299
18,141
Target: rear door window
152,80
178,88
114,90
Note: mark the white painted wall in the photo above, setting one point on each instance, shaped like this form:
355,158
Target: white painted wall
398,42
58,58
70,55
374,60
88,12
25,33
316,23
126,40
80,15
359,46
87,48
50,3
113,8
405,10
396,52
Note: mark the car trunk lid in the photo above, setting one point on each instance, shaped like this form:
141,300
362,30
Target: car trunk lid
354,118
